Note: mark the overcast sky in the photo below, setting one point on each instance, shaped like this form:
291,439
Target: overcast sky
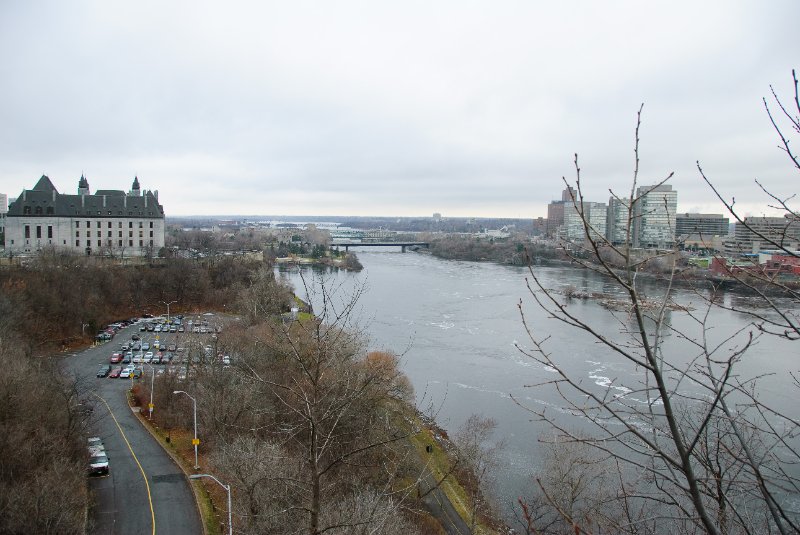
393,109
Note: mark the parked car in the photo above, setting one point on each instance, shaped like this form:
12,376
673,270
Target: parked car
127,358
98,465
116,358
171,347
145,346
181,329
148,357
115,372
95,442
136,373
125,373
135,337
104,370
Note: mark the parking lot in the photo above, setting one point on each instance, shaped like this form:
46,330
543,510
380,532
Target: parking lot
170,345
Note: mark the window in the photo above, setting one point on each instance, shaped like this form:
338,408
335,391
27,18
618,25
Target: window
140,224
130,243
99,223
151,243
141,233
130,234
140,243
38,231
120,233
50,210
99,233
151,224
130,224
109,233
77,233
120,224
77,243
26,210
50,231
99,243
27,231
151,233
12,242
109,223
120,243
88,224
77,224
38,210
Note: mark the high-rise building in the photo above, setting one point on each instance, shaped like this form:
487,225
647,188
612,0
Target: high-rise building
617,221
106,222
573,228
555,211
654,210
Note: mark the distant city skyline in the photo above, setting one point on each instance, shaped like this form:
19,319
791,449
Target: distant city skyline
378,109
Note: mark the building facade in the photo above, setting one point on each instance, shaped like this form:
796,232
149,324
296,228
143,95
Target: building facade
655,211
3,211
573,228
617,221
759,234
691,224
555,211
108,222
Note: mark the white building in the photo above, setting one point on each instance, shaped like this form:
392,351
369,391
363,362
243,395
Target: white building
107,222
3,210
655,209
573,229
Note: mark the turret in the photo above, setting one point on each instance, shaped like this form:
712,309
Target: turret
136,190
83,186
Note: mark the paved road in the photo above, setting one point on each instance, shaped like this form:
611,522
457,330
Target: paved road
145,492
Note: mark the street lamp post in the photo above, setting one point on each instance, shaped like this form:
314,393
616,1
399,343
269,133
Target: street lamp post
195,441
152,382
228,489
168,304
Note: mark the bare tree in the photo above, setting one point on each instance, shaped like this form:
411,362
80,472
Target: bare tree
482,457
694,448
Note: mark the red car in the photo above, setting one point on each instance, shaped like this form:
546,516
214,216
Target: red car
116,358
115,372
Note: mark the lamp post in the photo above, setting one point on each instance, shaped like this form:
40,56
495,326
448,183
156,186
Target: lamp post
168,304
195,441
228,489
152,381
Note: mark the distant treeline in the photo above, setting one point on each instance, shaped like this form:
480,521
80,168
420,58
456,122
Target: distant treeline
512,251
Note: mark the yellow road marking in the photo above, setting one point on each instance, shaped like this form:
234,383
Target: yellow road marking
144,476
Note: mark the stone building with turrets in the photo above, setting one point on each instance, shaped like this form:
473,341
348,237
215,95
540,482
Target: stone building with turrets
108,222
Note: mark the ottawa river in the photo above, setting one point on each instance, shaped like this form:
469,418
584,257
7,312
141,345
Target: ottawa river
456,324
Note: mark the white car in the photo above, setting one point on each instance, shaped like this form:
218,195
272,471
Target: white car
145,346
98,464
125,373
95,442
148,357
138,358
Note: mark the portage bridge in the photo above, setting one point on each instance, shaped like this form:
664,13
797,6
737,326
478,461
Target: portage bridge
402,245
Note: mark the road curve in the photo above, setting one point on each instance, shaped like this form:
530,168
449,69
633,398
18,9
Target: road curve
145,492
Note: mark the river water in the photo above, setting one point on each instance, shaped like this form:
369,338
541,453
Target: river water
457,326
